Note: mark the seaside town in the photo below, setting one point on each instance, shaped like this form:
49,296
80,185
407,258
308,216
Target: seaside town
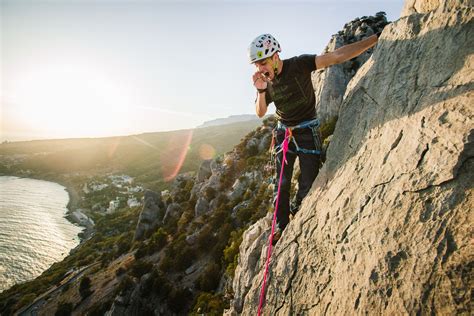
105,195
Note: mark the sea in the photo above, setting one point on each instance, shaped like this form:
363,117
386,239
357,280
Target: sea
34,233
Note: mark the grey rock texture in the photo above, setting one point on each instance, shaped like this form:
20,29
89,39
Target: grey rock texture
252,249
238,188
172,211
202,207
425,6
330,83
204,171
151,215
387,227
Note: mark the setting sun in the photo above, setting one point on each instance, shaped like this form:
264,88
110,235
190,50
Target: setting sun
68,99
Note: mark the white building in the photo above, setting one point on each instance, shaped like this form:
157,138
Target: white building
98,187
132,202
85,189
135,189
113,205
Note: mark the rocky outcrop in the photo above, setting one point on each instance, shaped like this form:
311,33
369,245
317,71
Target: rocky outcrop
204,171
202,207
330,83
172,211
151,215
387,227
425,6
252,249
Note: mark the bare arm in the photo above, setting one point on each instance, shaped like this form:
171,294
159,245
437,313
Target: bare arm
345,52
261,105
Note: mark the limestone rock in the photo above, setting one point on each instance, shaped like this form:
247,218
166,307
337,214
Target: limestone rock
425,6
238,188
216,166
252,254
264,143
191,239
204,171
387,226
202,207
172,211
252,147
217,201
151,215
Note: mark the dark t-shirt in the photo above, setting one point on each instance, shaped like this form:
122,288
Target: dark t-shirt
292,91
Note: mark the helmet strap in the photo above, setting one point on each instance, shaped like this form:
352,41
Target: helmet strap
275,67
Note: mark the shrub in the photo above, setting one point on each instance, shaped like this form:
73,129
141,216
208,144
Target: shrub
99,308
231,252
140,268
64,309
210,277
209,193
119,271
185,219
27,299
178,299
328,128
209,304
85,287
160,285
124,243
184,258
141,251
166,264
125,285
65,287
244,214
158,240
205,238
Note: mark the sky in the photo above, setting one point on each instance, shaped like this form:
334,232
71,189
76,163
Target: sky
84,68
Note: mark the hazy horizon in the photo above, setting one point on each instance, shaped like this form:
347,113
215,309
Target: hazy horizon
127,135
84,69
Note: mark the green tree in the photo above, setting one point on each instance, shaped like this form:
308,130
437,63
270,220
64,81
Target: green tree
64,309
85,287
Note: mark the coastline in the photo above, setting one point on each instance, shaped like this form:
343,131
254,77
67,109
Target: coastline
71,206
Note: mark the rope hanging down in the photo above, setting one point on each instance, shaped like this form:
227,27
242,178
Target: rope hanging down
270,239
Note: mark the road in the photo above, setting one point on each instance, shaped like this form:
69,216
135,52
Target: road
33,308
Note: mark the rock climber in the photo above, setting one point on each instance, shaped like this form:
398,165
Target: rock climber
287,83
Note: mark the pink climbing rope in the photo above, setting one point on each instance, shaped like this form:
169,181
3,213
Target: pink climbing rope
270,239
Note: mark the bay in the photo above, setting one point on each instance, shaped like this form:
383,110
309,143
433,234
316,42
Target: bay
33,230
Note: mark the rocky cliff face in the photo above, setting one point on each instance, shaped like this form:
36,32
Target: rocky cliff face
330,83
387,227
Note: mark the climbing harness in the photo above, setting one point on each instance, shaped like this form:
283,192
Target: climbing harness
313,125
283,148
270,239
270,167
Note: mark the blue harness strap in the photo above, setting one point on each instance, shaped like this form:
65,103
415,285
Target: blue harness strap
313,125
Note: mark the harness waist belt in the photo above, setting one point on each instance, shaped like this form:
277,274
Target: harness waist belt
305,124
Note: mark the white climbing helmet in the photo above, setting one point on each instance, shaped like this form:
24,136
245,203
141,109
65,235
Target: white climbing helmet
263,46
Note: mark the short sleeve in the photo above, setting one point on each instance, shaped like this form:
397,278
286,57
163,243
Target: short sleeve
307,62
